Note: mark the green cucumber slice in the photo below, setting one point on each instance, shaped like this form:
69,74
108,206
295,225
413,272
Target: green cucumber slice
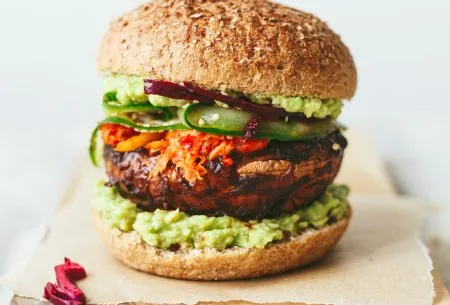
111,106
155,125
93,148
232,122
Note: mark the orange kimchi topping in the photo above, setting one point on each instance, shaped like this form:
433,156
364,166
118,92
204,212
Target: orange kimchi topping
187,150
113,134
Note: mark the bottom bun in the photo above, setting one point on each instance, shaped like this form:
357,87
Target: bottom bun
229,264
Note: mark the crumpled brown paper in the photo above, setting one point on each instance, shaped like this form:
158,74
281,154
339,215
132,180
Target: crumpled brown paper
380,260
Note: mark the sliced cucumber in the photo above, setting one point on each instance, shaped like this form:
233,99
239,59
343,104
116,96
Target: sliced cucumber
113,107
232,122
155,125
93,148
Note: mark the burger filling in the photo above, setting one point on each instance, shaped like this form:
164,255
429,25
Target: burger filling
196,168
129,89
175,229
188,125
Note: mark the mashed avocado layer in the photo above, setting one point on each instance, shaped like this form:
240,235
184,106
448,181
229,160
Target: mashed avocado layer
310,107
131,89
162,229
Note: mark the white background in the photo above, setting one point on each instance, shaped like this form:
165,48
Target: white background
50,96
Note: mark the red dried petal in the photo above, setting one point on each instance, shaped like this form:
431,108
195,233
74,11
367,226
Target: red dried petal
251,127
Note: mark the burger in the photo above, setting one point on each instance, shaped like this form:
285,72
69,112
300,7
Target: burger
220,138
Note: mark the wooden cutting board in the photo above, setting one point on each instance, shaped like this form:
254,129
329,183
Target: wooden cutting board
363,169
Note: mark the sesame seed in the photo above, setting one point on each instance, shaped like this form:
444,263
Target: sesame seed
257,77
336,147
195,16
215,117
244,61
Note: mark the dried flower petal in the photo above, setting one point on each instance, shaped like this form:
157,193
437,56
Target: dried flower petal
251,127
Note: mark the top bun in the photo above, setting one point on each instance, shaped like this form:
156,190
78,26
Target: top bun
252,46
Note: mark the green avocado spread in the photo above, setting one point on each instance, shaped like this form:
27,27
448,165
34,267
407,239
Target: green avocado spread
162,229
131,89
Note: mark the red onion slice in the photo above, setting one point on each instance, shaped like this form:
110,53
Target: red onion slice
264,111
189,91
173,90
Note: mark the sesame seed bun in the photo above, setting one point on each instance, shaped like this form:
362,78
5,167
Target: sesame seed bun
253,46
229,264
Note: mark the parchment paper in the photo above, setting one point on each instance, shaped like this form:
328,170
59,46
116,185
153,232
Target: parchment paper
363,168
379,261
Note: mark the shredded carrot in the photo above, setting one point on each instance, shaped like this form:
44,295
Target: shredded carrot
248,146
187,150
138,141
156,146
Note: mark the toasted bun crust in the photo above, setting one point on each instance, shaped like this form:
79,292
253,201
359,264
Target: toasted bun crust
252,46
209,264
